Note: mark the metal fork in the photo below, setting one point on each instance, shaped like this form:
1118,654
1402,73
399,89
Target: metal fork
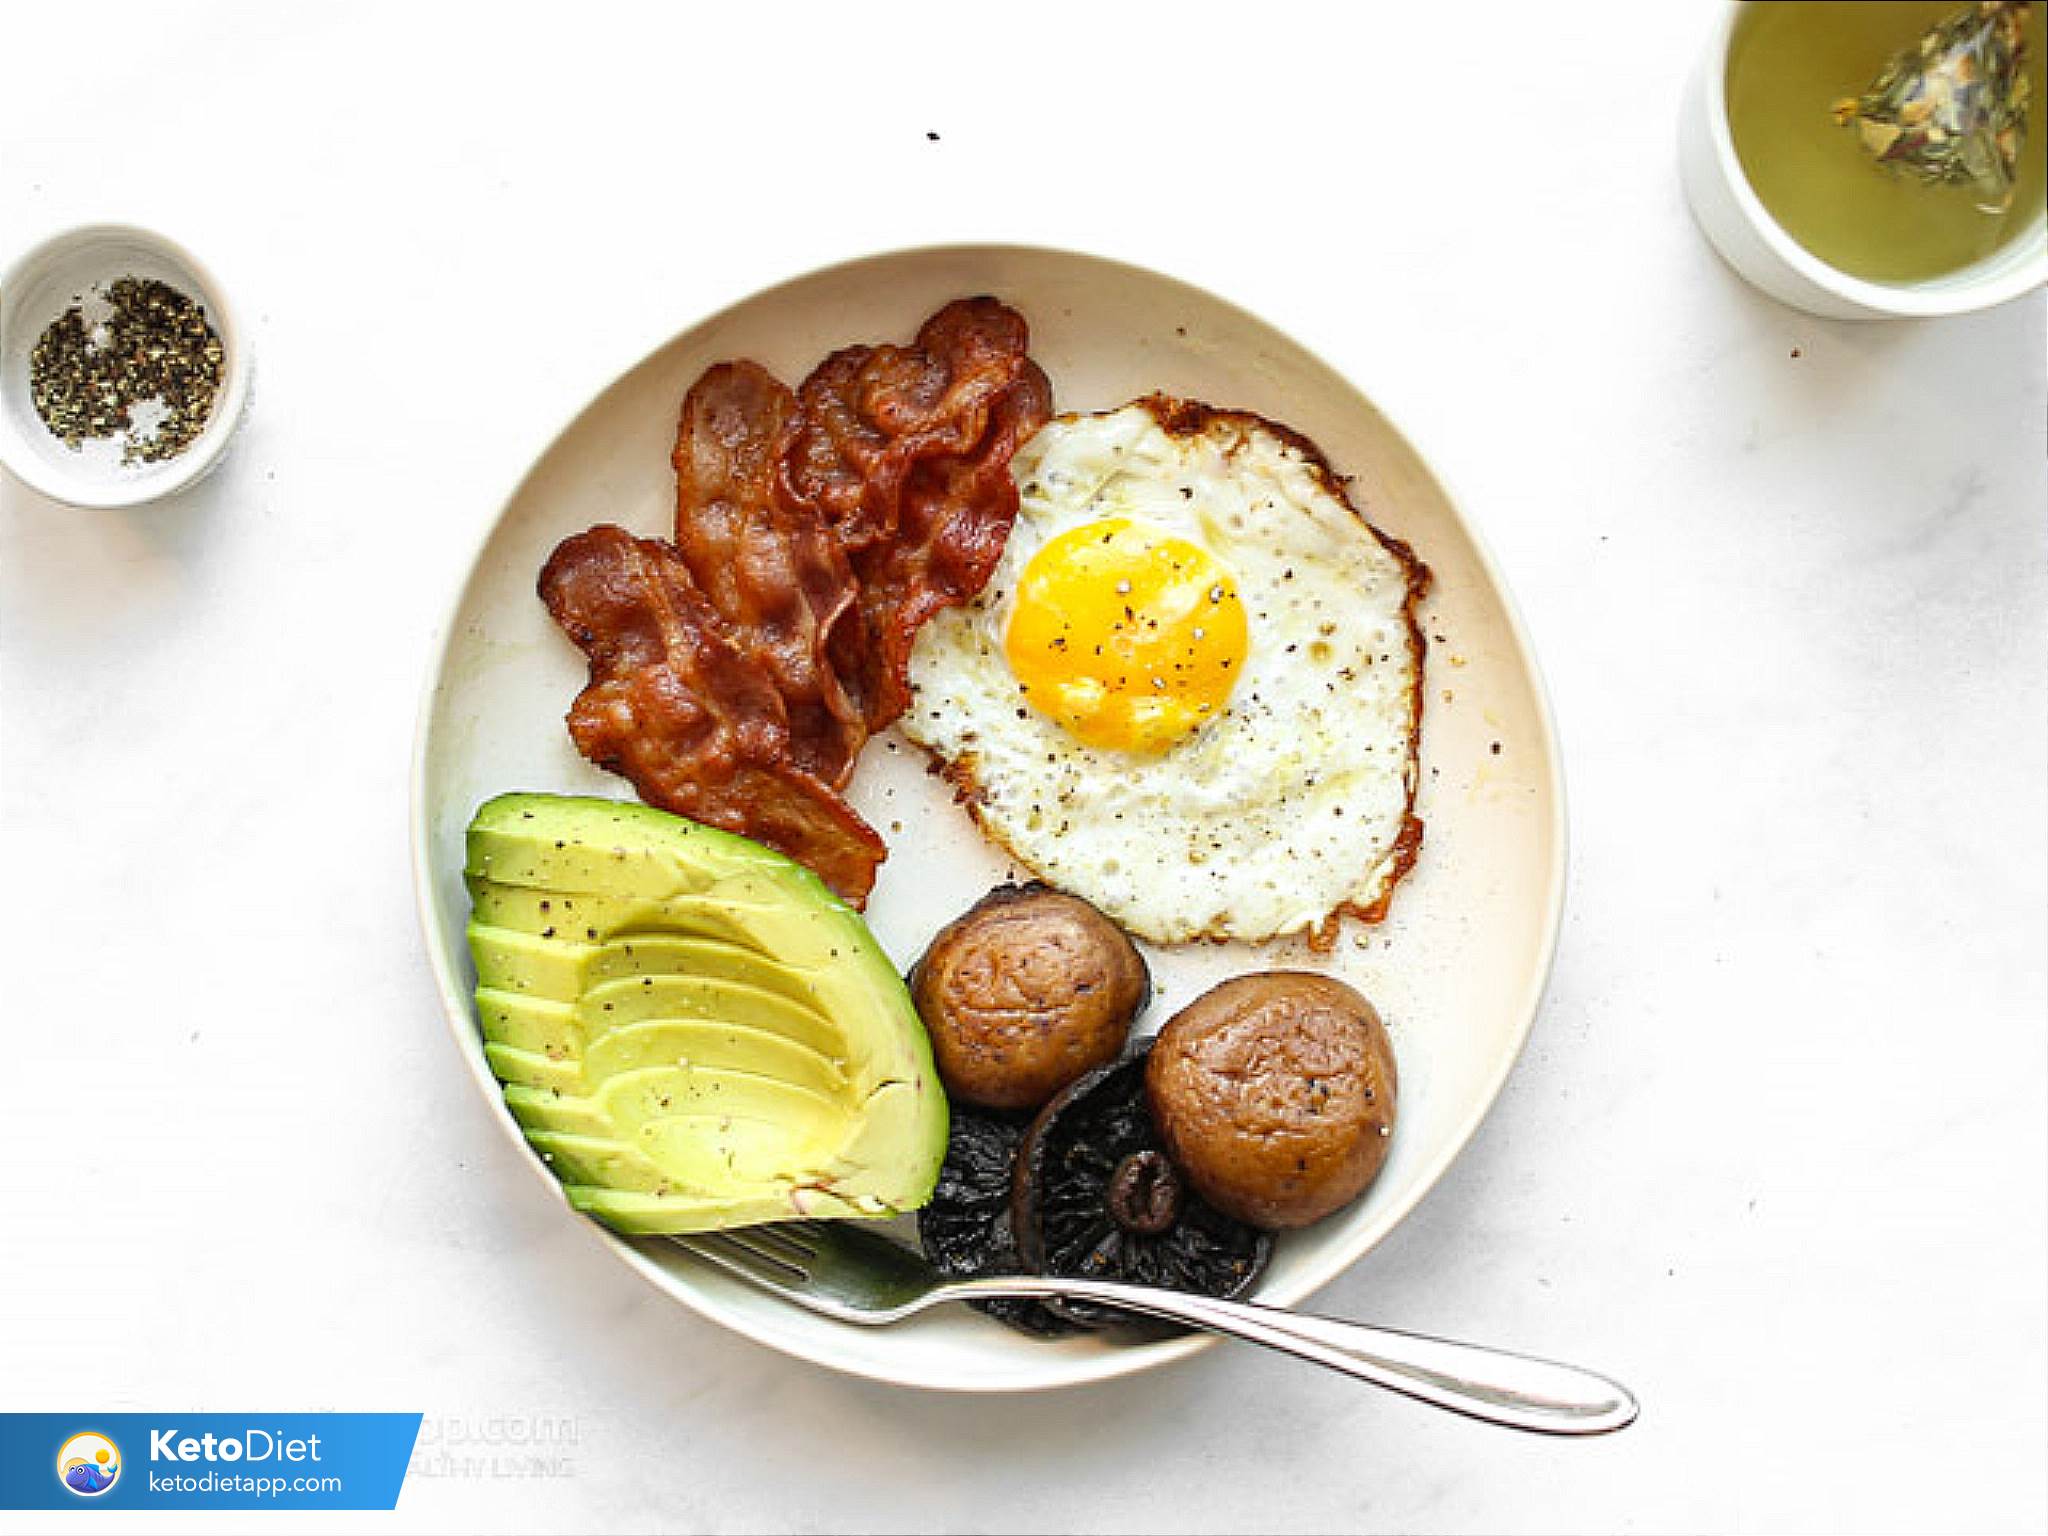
859,1277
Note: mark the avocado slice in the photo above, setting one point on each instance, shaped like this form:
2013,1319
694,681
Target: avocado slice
692,1031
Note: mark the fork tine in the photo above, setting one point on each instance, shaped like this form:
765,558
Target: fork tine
778,1242
856,1277
738,1259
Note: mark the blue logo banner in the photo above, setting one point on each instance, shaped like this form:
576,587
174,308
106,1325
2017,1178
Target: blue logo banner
204,1460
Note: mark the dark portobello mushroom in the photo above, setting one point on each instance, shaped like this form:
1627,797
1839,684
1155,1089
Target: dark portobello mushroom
965,1228
1095,1195
1025,991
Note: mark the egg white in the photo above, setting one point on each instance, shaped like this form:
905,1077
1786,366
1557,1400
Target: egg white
1294,804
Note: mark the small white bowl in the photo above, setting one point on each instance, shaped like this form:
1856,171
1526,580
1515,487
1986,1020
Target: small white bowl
40,286
1751,241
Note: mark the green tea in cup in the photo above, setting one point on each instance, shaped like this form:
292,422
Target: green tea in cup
1896,140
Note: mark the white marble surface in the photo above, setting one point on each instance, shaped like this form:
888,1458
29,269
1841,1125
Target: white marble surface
1776,1153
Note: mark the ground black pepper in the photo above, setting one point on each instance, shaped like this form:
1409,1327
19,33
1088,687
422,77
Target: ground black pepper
148,373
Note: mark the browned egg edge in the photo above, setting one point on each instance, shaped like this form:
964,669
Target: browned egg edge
1193,418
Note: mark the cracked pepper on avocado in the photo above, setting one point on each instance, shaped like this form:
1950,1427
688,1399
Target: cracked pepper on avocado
1165,664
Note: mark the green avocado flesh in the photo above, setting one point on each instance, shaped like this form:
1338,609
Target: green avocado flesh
691,1029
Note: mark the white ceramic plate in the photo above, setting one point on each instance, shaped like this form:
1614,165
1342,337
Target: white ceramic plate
1457,969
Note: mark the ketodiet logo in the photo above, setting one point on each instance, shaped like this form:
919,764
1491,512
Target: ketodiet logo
326,1460
88,1464
250,1445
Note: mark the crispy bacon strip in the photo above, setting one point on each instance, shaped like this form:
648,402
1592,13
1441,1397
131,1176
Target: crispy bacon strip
736,674
906,451
771,568
956,517
696,724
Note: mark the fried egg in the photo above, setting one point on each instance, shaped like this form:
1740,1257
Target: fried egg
1191,693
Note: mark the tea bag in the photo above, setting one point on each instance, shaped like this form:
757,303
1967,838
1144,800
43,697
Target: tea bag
1952,108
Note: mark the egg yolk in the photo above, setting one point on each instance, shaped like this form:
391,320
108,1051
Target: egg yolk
1128,637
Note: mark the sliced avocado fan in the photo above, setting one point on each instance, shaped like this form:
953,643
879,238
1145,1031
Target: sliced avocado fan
692,1030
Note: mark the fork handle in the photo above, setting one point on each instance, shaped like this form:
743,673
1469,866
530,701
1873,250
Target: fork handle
1497,1385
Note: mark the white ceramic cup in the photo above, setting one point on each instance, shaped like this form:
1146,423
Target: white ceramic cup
1735,220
